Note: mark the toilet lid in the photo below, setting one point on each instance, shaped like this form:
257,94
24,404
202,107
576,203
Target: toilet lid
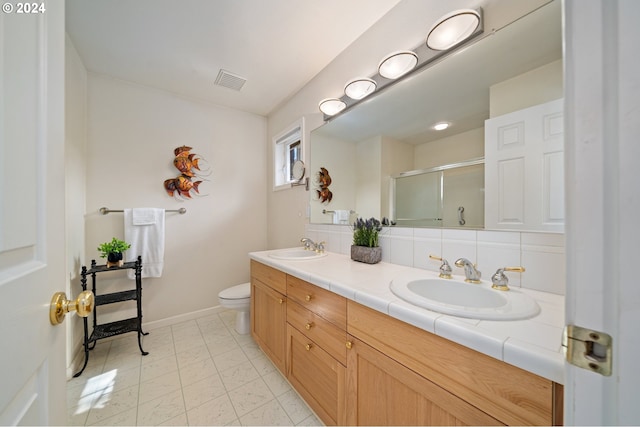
236,292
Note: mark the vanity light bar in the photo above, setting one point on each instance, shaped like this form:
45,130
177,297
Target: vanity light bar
423,55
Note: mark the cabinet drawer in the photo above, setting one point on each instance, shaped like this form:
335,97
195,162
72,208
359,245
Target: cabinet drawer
326,304
275,279
325,334
318,377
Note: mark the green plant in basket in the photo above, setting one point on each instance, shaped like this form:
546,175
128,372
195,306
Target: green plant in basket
365,232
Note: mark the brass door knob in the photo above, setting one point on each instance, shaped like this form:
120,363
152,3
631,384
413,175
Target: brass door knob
308,347
60,306
280,300
308,298
349,344
308,326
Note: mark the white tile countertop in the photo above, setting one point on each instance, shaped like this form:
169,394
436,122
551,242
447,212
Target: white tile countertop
533,344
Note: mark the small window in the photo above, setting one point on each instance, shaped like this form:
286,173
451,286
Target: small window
288,148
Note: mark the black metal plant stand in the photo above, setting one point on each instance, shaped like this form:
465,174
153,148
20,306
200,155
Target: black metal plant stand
118,327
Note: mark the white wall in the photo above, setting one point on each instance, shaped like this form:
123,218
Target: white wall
133,131
75,182
452,149
540,85
338,159
367,165
397,157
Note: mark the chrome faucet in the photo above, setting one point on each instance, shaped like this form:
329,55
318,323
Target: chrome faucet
310,245
471,273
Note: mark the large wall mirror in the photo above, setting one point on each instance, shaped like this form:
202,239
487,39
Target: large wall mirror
369,147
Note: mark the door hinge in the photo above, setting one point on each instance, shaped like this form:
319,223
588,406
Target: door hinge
591,350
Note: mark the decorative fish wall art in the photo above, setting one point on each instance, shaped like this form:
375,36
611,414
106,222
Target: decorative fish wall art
324,181
188,165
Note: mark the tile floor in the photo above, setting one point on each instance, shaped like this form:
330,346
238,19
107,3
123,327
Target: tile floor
200,372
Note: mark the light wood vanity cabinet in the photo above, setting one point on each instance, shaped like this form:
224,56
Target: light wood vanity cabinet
507,394
357,366
317,376
381,391
269,311
316,348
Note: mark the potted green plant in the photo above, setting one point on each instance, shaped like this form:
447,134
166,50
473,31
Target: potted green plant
365,241
113,251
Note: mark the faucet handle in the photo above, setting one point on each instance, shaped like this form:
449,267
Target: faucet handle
501,281
320,247
445,268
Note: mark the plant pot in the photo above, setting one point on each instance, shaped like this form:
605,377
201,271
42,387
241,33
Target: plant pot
366,254
114,259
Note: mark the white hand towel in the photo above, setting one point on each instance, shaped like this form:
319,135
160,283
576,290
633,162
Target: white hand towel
341,216
144,216
144,231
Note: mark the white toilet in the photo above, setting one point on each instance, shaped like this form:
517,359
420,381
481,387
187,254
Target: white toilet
238,298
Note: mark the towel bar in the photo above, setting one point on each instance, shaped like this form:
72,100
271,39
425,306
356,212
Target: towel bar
105,211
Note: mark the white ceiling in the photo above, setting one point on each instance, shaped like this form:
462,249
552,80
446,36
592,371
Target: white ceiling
181,45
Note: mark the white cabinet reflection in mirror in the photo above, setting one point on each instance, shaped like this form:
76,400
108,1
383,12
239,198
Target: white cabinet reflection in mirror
524,169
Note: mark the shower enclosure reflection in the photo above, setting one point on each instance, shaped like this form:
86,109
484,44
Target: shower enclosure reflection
418,197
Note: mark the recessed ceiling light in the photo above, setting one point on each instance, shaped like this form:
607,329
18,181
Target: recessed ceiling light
441,126
331,106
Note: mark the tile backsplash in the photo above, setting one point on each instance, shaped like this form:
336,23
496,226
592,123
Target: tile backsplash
542,254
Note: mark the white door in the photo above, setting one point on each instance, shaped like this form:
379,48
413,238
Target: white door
32,247
524,169
602,94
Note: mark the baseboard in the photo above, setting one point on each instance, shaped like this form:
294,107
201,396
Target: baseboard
182,318
78,359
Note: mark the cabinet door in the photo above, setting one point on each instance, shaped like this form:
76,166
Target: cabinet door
381,391
268,321
524,169
318,377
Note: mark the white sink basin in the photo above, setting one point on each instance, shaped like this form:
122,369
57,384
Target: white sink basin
476,301
296,254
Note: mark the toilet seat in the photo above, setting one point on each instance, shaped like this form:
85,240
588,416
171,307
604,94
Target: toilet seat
242,291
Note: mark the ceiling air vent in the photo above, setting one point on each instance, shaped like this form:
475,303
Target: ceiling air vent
230,80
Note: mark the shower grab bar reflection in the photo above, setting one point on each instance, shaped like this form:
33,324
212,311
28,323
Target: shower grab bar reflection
105,211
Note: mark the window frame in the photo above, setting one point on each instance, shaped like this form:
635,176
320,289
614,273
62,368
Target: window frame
282,161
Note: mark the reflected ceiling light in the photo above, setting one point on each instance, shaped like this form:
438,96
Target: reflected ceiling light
397,64
441,126
359,88
331,106
452,29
